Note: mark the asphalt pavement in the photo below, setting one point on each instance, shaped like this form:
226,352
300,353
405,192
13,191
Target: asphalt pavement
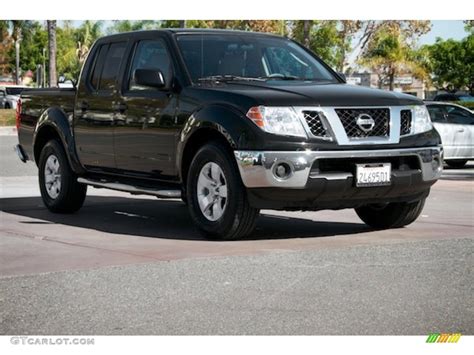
135,265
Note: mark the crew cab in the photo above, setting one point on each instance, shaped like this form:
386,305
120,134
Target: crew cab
231,122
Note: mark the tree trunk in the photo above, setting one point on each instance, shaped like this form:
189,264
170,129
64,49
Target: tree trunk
391,80
182,23
52,52
306,32
17,62
343,59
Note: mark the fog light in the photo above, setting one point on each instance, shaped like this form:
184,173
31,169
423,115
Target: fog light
436,164
282,171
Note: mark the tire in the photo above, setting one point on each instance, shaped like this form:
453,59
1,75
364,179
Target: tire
456,163
227,218
7,106
392,215
60,190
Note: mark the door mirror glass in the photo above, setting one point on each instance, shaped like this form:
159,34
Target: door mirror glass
149,77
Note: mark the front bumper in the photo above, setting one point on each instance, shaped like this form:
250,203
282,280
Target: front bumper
258,168
326,179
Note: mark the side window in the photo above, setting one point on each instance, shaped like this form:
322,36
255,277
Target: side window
437,114
98,65
150,54
106,66
112,63
459,116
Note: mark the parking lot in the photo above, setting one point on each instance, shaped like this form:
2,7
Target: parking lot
135,265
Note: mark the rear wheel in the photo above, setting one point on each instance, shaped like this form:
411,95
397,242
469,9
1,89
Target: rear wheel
59,188
216,197
456,163
391,215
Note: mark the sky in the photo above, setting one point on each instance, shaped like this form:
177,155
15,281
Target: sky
445,30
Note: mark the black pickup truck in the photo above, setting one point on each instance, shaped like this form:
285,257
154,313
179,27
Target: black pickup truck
231,122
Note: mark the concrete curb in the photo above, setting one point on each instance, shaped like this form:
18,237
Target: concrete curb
8,131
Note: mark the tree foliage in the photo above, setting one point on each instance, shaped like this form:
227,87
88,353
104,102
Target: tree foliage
388,49
452,64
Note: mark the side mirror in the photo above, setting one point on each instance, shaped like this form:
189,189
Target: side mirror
343,76
149,77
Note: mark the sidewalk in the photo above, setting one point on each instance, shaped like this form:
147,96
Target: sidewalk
8,131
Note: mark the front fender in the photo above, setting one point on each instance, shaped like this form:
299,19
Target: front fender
227,121
58,120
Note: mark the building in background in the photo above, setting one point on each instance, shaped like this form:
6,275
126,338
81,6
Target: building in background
405,83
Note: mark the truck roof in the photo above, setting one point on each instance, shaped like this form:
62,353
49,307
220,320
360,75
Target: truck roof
191,31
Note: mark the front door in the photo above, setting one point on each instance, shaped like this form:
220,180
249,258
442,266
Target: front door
462,122
146,131
95,108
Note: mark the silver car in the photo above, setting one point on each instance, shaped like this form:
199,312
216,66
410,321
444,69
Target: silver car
3,99
12,94
455,125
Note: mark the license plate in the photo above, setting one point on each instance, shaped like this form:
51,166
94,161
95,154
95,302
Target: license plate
378,174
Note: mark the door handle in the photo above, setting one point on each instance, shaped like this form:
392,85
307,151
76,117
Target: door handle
121,107
460,130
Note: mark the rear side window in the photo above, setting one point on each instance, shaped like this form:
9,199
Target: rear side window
98,65
107,66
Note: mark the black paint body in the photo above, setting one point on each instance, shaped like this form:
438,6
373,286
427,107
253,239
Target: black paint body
143,136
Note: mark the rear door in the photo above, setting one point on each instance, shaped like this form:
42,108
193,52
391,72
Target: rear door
96,105
463,122
146,131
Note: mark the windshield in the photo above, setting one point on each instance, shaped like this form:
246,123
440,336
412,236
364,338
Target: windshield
14,91
249,56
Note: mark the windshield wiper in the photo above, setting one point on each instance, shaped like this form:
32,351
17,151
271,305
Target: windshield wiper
281,77
229,78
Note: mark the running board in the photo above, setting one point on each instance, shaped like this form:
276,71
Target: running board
131,189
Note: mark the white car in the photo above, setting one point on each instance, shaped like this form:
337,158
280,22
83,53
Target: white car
455,125
10,95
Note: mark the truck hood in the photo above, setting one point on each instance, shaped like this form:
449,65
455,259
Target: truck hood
284,93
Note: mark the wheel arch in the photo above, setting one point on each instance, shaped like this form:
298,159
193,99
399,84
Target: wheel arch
215,122
54,124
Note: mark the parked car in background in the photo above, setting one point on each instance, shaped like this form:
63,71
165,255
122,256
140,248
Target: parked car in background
12,94
454,97
455,124
3,99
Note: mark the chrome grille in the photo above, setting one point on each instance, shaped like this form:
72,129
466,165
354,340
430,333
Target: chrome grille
313,119
381,117
405,122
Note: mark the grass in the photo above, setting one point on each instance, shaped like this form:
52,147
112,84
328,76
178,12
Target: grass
7,118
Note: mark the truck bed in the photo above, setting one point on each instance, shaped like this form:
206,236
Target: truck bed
34,103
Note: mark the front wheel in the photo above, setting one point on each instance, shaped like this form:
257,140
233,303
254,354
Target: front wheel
391,215
59,188
217,199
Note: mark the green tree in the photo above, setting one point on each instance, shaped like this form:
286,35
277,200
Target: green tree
452,64
16,32
319,36
389,49
127,26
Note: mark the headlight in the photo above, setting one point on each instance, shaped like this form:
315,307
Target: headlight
277,120
421,120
